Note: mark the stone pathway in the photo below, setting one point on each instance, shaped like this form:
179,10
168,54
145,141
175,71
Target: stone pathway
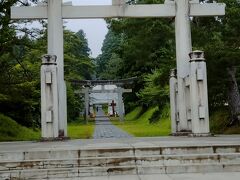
105,129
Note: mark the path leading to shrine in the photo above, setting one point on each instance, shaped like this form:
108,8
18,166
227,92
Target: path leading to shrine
105,129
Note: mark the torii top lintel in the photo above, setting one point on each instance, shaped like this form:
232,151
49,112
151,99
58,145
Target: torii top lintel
119,82
118,10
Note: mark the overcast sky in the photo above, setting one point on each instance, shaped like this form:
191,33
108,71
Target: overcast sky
95,29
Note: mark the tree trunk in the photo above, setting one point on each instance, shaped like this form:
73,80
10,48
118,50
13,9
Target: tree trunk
233,96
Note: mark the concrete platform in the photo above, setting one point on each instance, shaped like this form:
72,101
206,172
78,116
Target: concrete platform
190,176
167,158
120,143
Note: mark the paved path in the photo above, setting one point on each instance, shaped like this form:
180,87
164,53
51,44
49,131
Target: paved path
105,129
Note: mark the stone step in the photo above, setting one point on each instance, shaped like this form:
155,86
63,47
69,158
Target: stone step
112,152
83,162
156,160
122,170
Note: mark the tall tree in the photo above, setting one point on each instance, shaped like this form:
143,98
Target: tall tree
111,47
18,88
78,66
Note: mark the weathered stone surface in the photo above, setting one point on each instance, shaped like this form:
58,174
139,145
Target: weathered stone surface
155,177
5,156
87,158
205,176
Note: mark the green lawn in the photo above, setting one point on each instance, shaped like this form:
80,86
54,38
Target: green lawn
80,130
219,123
12,131
139,126
136,123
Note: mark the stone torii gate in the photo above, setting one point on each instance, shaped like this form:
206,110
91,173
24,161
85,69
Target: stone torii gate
120,104
54,11
88,84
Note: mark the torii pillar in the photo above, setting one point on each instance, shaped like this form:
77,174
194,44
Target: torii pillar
55,47
183,113
183,48
120,103
86,102
52,11
49,98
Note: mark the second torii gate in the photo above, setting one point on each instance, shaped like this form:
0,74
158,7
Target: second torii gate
55,12
119,90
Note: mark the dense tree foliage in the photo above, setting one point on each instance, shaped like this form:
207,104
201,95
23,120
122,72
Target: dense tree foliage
18,86
21,49
78,65
219,37
108,62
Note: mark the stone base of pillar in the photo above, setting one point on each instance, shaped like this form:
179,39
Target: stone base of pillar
54,139
200,135
184,133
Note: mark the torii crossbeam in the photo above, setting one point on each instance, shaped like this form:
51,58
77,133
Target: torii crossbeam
119,82
55,11
117,11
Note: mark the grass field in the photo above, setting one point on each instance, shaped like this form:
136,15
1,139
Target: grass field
12,131
136,123
139,126
219,121
79,130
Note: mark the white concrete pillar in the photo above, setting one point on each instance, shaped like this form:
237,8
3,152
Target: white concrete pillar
109,108
120,103
173,101
118,2
187,102
199,94
49,97
91,110
86,101
55,46
123,108
183,48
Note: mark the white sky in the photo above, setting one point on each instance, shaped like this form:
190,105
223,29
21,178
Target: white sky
95,29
